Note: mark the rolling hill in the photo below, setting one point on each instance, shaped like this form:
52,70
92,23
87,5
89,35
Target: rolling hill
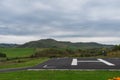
51,43
5,45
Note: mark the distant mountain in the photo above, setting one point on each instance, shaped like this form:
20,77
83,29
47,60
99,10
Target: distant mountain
5,45
51,43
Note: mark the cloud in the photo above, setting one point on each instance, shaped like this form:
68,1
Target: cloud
104,40
63,19
16,39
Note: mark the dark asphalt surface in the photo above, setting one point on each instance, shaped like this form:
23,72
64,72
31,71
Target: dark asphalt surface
65,63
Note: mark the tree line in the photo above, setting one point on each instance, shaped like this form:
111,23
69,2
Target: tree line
67,52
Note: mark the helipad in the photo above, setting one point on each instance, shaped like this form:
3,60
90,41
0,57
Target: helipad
80,63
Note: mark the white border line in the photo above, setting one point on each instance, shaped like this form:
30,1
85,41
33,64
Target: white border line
74,62
75,69
106,62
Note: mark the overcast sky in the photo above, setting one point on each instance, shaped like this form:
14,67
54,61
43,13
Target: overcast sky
66,20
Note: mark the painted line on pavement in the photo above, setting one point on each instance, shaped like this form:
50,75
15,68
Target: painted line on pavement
74,62
44,66
106,62
89,61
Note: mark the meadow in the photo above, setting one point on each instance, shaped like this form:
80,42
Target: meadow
22,59
17,52
59,75
19,57
20,63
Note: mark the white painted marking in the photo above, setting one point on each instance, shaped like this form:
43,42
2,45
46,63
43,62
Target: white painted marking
89,61
44,66
34,69
74,62
106,62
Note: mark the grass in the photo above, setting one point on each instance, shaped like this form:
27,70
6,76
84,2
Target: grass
17,52
21,63
59,75
16,56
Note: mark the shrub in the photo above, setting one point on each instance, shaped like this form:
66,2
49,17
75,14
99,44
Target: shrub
2,55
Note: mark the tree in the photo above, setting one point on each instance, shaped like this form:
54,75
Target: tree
116,48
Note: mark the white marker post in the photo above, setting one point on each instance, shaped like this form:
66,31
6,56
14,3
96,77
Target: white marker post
106,62
74,62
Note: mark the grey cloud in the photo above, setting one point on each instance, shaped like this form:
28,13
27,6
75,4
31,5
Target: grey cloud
80,18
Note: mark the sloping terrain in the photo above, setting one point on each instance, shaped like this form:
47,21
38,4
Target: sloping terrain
4,45
51,43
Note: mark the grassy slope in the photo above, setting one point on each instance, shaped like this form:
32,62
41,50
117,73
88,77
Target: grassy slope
17,52
50,43
23,63
114,54
59,75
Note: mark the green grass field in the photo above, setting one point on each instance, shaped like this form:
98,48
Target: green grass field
19,62
17,52
44,74
23,63
59,75
16,60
